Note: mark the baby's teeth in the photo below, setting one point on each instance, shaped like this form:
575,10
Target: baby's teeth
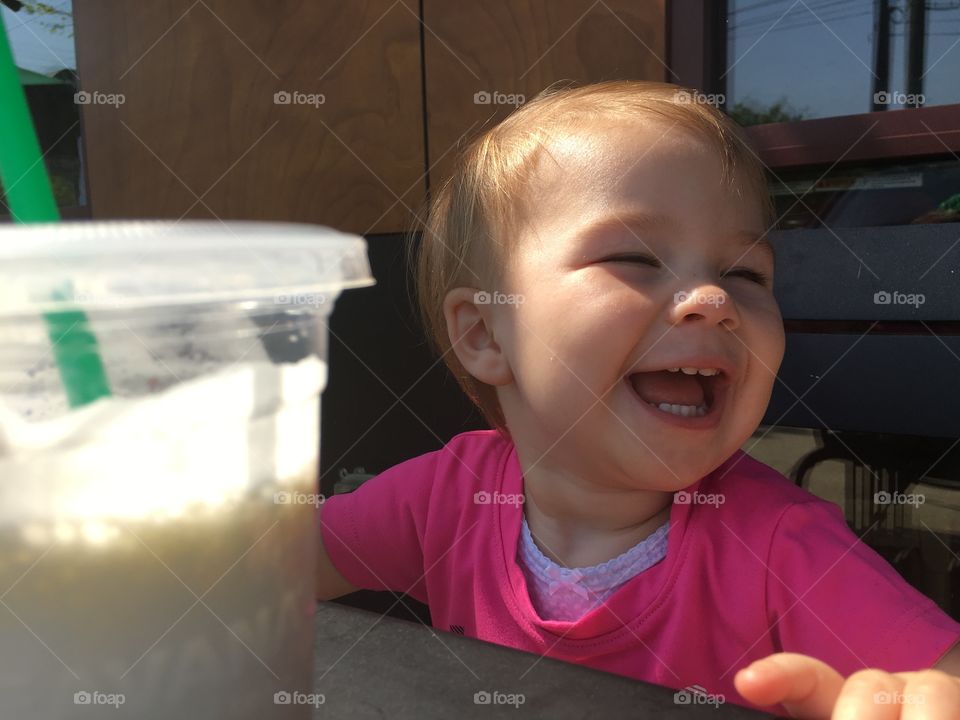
694,371
683,410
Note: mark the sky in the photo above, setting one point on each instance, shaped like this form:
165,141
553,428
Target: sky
34,46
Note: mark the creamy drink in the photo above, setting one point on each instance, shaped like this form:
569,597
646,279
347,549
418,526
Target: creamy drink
157,535
155,553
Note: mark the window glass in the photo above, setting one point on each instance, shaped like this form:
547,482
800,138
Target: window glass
791,60
42,41
868,195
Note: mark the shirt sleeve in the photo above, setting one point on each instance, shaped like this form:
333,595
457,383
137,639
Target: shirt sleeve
832,597
374,535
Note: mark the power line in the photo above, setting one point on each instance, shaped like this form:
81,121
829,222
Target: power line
808,22
780,15
797,7
802,13
814,21
769,4
798,13
825,5
763,3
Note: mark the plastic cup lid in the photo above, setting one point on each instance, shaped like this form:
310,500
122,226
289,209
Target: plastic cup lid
121,264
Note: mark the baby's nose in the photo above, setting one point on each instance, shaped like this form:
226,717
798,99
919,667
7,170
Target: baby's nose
709,303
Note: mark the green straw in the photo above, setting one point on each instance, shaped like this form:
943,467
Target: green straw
30,199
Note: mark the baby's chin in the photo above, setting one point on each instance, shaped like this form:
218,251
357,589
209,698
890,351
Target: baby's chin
674,468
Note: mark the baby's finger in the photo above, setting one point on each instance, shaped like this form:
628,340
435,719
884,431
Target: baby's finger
930,695
806,687
870,695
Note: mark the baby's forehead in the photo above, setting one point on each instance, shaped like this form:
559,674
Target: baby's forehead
617,169
595,158
593,163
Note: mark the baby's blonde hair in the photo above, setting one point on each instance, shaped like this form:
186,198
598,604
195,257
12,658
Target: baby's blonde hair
464,241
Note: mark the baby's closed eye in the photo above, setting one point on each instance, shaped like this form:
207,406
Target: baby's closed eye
746,273
639,259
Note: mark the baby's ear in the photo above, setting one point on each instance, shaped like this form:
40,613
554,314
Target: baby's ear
470,317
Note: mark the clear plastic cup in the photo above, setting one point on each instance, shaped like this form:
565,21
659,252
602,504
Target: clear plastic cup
157,546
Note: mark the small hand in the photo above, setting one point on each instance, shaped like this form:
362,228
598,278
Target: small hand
810,689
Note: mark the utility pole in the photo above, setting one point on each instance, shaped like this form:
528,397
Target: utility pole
881,54
916,41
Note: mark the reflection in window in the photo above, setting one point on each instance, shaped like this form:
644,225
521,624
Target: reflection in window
792,60
874,195
41,37
899,493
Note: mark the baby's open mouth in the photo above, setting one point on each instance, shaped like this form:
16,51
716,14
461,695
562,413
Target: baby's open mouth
689,392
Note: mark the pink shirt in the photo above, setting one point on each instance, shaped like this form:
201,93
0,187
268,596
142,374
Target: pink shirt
771,568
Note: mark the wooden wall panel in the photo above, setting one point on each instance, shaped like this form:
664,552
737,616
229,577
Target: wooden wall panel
521,47
199,118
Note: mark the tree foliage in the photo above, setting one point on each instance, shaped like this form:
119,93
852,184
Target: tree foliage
749,112
54,19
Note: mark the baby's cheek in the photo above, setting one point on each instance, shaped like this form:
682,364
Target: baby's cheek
765,338
777,341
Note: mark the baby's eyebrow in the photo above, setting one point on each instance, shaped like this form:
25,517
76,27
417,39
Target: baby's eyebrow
639,221
749,240
632,221
612,225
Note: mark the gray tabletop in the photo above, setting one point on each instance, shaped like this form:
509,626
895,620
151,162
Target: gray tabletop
370,666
